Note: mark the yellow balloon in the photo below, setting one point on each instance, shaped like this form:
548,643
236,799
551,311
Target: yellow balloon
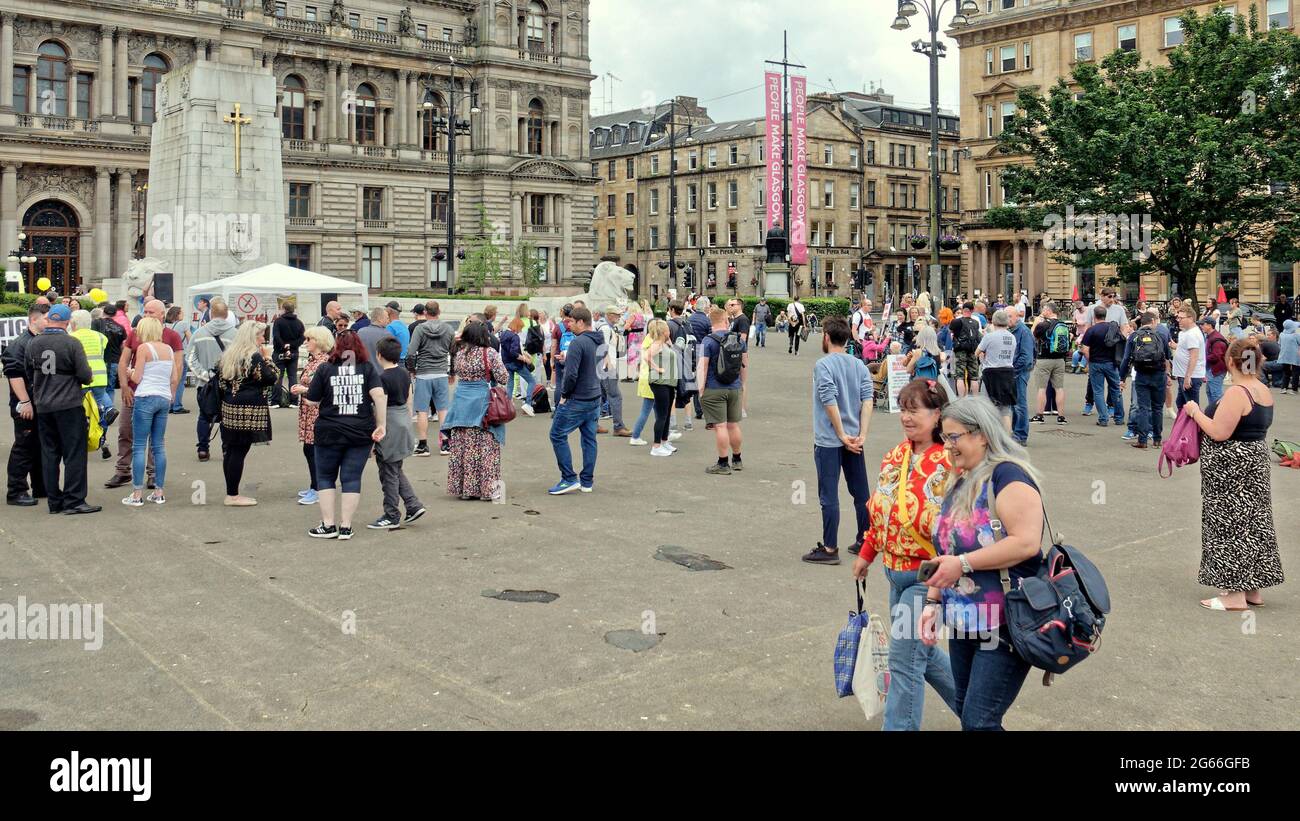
43,284
98,295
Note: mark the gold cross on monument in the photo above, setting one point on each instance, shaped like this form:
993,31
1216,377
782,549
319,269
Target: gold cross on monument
238,121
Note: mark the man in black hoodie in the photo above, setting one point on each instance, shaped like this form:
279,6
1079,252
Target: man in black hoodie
578,405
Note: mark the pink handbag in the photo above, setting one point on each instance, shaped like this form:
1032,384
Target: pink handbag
1181,447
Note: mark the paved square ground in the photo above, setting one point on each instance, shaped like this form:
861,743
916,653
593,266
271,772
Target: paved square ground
221,618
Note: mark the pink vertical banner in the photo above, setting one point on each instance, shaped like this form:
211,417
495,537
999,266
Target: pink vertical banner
799,173
775,146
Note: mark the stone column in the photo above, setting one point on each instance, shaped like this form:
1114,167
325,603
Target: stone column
119,76
103,264
1017,273
104,83
414,99
566,238
347,108
6,65
517,217
380,131
331,106
980,280
309,123
9,207
403,136
1035,284
125,222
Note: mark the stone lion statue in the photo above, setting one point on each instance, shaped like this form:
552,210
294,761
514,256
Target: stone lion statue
610,285
138,277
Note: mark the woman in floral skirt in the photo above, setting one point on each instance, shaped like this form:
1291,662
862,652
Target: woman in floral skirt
474,471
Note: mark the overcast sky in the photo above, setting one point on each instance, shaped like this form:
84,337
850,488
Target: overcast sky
714,50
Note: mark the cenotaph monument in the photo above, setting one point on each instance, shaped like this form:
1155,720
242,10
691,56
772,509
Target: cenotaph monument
216,186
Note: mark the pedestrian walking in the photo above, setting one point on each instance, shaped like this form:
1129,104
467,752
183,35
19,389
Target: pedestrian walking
724,362
762,316
796,318
577,405
246,376
665,366
398,442
997,488
1288,357
519,365
1146,351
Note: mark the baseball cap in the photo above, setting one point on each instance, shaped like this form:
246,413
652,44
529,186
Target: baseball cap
60,313
356,309
395,305
418,309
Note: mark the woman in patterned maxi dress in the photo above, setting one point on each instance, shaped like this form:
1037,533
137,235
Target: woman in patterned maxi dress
474,471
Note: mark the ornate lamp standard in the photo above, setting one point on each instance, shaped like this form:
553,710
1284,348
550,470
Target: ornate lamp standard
451,125
933,50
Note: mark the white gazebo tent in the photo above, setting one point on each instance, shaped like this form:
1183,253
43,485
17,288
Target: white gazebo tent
253,292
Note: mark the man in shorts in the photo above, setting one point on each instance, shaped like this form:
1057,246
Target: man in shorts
721,399
965,331
431,347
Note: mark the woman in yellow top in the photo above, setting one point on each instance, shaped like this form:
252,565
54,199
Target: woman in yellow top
914,477
643,391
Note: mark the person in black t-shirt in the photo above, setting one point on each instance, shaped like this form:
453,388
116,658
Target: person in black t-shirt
353,413
398,442
1103,345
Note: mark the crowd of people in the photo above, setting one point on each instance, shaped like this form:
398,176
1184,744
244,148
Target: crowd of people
960,490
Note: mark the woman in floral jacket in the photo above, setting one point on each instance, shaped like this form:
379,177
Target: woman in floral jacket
914,477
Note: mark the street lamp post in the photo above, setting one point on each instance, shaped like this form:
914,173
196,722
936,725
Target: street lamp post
933,50
20,256
452,126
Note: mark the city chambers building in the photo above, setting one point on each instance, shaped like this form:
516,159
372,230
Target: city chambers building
868,188
363,87
1012,44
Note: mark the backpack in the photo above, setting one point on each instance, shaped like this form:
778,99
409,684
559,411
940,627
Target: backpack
541,400
535,342
687,353
1056,340
1113,338
209,393
966,337
731,357
926,367
94,430
1055,618
1148,351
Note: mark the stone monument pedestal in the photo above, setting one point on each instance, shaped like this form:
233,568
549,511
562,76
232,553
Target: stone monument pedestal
776,280
216,185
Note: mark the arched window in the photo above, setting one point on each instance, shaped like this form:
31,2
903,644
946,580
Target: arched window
52,79
536,26
293,112
535,126
366,114
431,109
150,78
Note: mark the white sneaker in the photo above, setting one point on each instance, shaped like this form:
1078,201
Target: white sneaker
744,414
660,451
673,435
1170,414
528,410
636,443
671,448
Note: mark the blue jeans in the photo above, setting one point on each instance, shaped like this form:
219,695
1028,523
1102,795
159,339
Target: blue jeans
1077,360
647,405
103,398
1104,378
1214,387
525,373
760,334
180,388
988,679
112,377
1192,394
911,663
148,427
1148,410
830,462
1020,413
579,415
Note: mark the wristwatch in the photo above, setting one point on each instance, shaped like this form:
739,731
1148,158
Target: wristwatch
966,569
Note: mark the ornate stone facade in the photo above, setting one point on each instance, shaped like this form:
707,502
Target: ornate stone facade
366,179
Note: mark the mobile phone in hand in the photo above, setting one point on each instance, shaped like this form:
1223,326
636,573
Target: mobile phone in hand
927,570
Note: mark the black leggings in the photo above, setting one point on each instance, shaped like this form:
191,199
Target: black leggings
288,378
309,451
794,337
232,464
663,410
547,362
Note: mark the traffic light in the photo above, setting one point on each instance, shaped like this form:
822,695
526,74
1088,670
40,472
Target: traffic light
688,274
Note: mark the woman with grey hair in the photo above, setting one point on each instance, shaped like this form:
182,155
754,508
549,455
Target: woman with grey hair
988,537
924,360
997,355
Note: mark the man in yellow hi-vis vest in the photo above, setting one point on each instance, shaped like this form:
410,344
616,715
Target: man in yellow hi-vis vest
94,344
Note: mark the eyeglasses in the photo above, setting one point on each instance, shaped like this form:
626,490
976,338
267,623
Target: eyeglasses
954,438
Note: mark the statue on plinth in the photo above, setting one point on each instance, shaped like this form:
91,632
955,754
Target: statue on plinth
777,244
405,23
338,14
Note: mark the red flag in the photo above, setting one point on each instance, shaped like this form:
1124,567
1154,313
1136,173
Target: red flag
1222,296
1074,297
1142,293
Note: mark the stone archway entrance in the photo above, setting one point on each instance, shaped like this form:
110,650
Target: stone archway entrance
53,237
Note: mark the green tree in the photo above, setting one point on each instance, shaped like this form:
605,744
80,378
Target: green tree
529,265
485,256
1208,146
